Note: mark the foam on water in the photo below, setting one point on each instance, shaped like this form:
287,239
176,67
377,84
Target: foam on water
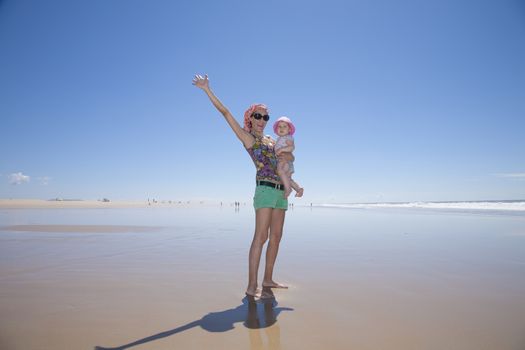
503,205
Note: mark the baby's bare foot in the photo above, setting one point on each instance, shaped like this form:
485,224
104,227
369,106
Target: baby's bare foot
299,193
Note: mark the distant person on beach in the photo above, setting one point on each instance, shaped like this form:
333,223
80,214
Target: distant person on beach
285,143
269,203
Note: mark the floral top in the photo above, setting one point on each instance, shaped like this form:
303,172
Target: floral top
264,158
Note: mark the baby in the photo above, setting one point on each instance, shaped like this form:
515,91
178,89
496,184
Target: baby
285,129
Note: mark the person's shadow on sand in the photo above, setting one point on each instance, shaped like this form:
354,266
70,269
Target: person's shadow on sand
248,312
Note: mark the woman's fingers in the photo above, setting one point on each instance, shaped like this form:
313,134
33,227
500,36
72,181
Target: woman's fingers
199,80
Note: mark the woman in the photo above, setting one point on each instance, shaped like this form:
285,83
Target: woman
270,205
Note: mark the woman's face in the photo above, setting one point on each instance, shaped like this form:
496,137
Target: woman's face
259,124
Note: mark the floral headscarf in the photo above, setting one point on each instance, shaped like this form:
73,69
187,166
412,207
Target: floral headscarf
248,114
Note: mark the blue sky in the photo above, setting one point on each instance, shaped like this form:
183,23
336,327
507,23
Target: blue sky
392,100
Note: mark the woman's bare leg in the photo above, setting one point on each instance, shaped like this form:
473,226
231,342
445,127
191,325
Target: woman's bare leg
276,232
263,217
283,170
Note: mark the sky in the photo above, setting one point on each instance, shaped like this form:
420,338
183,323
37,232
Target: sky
392,100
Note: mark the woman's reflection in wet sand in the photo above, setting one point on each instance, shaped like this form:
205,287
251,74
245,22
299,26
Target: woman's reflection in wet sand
266,319
254,314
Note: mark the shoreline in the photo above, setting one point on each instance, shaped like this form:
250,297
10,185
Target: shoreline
96,204
516,207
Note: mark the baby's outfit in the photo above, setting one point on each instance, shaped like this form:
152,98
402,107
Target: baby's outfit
280,143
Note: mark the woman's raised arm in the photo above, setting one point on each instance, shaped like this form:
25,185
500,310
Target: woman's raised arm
203,83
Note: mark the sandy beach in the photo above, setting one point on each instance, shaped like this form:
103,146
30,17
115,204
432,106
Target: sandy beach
174,278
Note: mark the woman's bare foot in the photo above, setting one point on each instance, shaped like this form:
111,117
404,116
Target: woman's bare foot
299,193
272,284
253,292
267,293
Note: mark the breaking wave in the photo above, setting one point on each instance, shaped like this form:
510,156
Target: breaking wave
503,205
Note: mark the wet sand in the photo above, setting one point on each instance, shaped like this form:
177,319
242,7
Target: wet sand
173,278
79,228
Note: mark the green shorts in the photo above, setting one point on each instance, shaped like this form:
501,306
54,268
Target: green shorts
268,197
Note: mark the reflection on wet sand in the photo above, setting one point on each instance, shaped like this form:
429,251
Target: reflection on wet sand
267,320
253,313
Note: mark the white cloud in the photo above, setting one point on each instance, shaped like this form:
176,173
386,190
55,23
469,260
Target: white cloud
18,178
44,180
512,175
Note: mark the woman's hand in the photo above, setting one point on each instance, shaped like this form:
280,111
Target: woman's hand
201,82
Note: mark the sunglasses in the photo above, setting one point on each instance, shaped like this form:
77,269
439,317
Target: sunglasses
258,116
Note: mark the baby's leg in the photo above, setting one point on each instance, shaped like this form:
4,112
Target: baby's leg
283,172
298,189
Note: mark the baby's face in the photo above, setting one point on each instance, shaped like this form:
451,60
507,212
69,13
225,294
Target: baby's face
283,129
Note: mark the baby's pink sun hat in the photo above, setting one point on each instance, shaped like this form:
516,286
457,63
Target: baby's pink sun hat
286,120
